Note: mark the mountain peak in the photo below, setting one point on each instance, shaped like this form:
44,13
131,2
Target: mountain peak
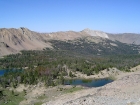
95,33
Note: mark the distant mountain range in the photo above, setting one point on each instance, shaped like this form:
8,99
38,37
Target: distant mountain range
88,41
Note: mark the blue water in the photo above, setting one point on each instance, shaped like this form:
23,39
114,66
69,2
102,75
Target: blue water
88,83
2,72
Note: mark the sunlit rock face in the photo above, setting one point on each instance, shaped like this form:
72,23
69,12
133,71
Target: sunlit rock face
95,33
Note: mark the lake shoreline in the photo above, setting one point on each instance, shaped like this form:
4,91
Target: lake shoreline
123,91
88,82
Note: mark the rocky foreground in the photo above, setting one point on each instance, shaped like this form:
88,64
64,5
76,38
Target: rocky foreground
123,91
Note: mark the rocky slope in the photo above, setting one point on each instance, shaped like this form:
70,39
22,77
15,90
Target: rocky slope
123,91
20,39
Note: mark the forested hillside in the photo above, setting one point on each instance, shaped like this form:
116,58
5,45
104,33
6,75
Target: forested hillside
96,46
53,65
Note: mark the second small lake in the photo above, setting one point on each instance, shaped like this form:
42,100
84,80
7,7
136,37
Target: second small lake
88,83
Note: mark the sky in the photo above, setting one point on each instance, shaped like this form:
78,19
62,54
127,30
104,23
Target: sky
112,16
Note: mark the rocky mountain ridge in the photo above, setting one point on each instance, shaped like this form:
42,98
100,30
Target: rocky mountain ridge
14,40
